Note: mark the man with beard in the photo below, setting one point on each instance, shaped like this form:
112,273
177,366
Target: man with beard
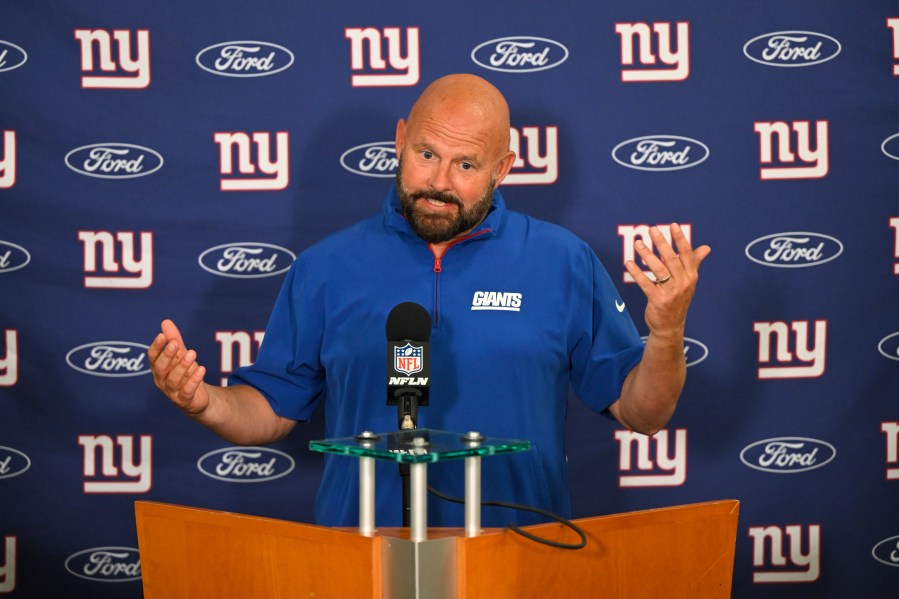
521,309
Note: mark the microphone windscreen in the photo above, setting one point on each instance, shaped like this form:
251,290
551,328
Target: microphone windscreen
408,321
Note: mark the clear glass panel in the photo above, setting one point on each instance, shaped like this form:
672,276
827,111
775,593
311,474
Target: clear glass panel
419,445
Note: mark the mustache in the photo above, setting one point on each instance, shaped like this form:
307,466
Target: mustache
446,198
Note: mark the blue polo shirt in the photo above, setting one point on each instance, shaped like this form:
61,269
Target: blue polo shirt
521,309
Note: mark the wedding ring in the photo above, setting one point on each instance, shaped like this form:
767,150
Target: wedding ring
663,281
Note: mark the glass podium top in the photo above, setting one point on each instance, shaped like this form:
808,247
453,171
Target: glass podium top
419,445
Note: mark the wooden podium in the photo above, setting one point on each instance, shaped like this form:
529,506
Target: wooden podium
190,553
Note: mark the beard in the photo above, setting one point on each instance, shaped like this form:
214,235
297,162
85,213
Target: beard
437,228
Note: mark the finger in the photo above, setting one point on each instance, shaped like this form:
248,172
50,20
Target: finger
655,265
175,378
171,332
156,347
701,253
668,256
189,389
686,252
640,278
166,359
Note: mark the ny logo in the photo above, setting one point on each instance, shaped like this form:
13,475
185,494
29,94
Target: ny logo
772,563
244,344
677,62
275,170
630,234
810,359
668,468
402,71
127,72
8,162
134,477
530,166
894,222
812,162
891,430
893,23
8,567
9,363
139,272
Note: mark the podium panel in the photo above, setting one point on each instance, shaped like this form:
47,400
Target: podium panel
680,552
188,553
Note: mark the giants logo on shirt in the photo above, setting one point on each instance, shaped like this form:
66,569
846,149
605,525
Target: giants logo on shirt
644,36
667,468
237,350
8,160
893,23
630,234
129,476
771,562
367,56
803,362
9,362
811,163
123,71
275,169
891,430
531,166
496,300
8,565
138,271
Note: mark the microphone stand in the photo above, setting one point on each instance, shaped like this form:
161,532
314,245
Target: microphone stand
407,416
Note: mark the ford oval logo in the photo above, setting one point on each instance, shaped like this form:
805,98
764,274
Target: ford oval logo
792,49
110,358
794,250
376,159
11,56
245,464
13,257
887,551
114,161
244,59
13,462
519,54
890,146
788,455
246,260
660,153
889,346
105,564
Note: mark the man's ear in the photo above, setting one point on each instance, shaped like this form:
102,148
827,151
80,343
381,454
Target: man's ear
400,137
504,166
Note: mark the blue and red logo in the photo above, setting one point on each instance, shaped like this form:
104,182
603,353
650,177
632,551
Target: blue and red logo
407,359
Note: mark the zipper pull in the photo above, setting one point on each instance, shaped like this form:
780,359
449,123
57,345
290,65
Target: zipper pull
437,267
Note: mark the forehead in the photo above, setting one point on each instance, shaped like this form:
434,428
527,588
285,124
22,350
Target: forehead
452,134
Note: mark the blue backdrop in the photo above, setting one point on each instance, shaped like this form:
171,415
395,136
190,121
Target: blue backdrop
170,159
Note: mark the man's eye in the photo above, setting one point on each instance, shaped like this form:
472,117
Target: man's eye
427,155
466,166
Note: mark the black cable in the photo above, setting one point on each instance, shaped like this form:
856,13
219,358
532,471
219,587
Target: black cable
526,508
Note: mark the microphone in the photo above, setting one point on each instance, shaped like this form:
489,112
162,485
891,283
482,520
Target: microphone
408,361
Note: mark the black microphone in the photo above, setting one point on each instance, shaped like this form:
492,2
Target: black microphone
408,361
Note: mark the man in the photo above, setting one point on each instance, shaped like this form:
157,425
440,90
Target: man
444,237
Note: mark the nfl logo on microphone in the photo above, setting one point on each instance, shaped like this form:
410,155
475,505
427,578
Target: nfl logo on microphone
407,359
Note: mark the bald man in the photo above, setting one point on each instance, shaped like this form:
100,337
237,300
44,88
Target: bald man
521,309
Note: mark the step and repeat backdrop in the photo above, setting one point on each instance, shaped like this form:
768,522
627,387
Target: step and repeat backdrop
170,159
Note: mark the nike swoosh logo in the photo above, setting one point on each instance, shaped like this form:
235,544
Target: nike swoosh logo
619,306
